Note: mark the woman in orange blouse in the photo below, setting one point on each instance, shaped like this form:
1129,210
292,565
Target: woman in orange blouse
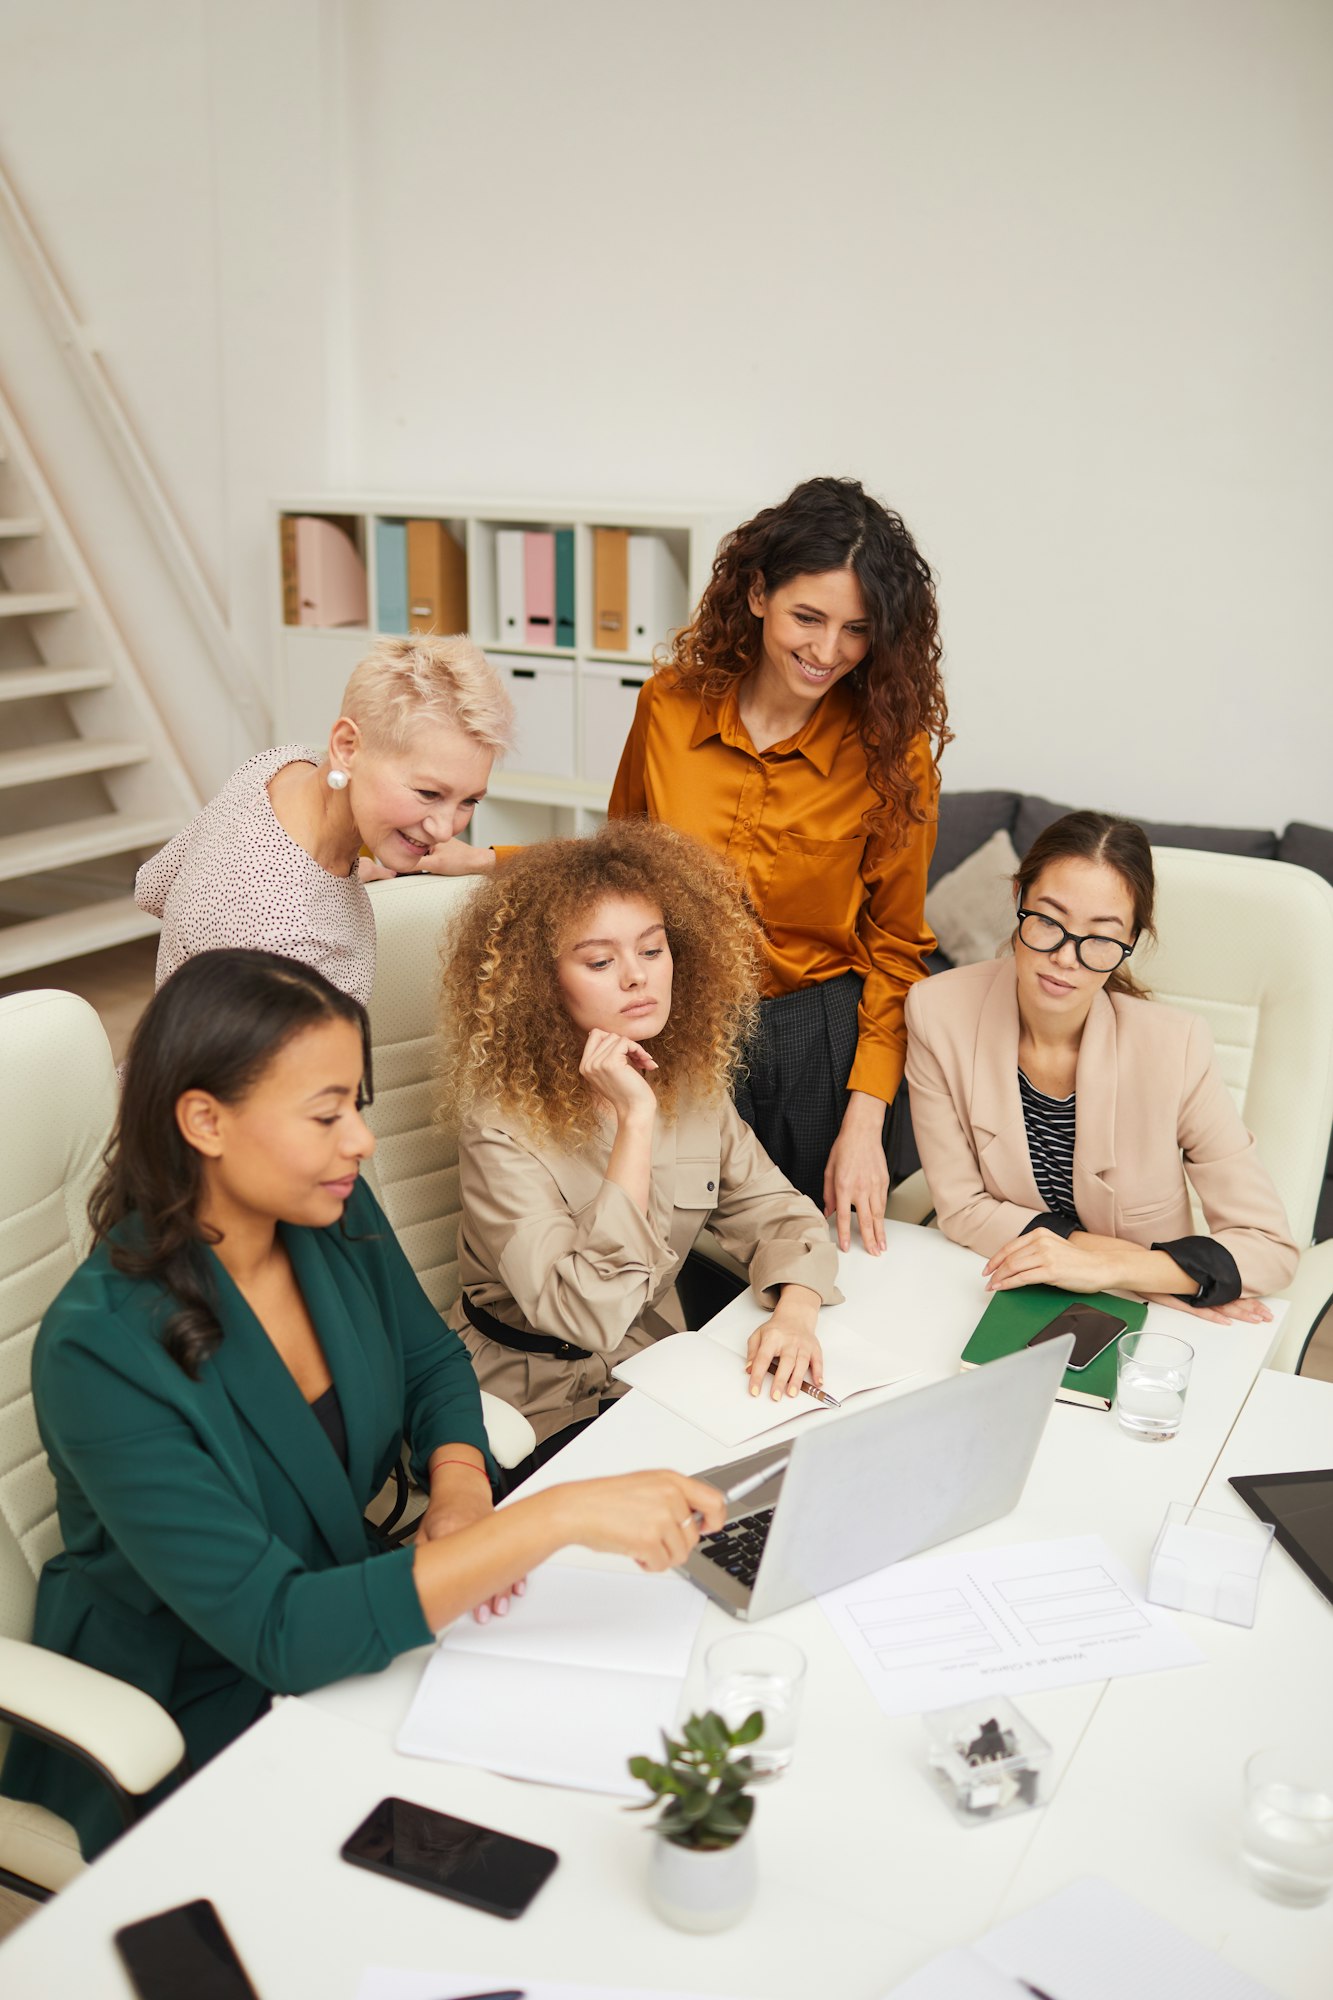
795,731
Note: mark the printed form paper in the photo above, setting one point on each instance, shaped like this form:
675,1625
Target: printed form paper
943,1629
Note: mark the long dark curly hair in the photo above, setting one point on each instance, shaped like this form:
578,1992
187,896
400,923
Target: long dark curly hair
504,1033
216,1025
823,525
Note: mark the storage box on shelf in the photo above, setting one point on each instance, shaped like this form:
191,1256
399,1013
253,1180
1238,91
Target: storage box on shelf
570,604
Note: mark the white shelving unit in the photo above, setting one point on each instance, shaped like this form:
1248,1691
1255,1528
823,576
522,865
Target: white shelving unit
574,703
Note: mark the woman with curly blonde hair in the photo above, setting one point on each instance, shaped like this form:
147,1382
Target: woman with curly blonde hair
596,997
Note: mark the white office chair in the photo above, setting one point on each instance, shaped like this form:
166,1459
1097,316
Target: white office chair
1248,944
60,1096
414,1170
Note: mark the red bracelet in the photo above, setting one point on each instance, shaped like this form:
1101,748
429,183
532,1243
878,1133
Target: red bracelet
467,1462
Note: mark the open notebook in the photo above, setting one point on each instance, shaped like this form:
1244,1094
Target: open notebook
605,1652
701,1376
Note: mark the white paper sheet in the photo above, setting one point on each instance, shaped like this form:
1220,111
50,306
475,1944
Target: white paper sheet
701,1376
958,1975
1087,1942
943,1629
583,1674
380,1982
617,1620
1093,1942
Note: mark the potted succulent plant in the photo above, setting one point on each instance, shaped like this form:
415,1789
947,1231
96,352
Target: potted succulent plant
702,1874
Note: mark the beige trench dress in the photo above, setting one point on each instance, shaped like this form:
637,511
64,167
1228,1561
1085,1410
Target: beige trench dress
548,1245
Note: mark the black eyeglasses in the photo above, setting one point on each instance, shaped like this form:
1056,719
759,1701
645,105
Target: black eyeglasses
1097,954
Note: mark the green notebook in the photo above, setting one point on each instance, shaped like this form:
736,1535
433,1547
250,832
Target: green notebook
1011,1319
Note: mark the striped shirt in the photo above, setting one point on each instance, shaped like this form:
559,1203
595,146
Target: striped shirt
1049,1122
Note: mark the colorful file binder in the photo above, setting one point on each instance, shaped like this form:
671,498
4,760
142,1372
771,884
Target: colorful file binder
538,588
323,575
658,595
391,576
436,579
511,586
564,586
610,589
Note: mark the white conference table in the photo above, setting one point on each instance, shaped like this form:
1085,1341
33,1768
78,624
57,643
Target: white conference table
863,1873
1153,1798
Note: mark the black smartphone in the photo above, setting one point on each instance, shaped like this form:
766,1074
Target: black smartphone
181,1951
1093,1332
489,1871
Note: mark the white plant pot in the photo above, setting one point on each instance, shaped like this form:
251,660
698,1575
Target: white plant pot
702,1889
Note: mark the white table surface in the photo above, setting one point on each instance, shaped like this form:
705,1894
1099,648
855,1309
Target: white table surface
1153,1797
863,1872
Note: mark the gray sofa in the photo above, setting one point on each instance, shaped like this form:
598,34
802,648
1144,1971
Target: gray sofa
969,819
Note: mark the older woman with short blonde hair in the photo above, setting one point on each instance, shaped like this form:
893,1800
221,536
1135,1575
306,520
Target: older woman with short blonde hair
273,862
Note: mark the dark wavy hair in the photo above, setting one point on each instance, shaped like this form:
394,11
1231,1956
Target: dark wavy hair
216,1025
1115,843
823,525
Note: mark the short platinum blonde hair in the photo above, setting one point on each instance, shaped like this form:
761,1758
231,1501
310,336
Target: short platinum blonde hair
403,682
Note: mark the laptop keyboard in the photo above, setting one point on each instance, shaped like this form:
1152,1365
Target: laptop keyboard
739,1546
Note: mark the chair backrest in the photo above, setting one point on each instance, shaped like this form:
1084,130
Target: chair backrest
1248,944
59,1103
414,1171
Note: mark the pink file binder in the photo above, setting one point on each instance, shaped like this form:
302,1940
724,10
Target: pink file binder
331,576
539,588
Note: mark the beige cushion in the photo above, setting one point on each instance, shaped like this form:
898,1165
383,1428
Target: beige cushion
971,910
36,1846
414,1171
60,1098
1248,944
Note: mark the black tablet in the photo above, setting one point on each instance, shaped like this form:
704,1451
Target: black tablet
1300,1507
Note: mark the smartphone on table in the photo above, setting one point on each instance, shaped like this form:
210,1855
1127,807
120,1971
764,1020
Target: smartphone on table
1092,1328
495,1872
183,1952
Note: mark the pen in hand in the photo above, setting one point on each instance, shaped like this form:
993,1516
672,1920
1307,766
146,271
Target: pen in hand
809,1389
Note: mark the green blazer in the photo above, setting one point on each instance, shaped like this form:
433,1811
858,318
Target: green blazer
215,1551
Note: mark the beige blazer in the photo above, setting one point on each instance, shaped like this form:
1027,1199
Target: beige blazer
1152,1108
548,1245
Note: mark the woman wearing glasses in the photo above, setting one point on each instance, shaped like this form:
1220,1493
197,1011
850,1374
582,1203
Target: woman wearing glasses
1058,1109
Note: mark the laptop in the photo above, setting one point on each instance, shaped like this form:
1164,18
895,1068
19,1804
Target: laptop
855,1494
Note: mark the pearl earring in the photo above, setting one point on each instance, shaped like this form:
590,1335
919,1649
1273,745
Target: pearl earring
338,781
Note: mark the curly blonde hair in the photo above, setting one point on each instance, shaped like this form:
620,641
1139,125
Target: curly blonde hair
506,1037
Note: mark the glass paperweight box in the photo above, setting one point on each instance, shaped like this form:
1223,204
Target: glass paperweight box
1209,1562
987,1759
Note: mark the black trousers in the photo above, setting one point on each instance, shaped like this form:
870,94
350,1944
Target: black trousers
793,1092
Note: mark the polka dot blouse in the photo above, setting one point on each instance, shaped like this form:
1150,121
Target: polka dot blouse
235,879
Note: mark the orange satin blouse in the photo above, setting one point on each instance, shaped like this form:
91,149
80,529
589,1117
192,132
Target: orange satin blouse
832,897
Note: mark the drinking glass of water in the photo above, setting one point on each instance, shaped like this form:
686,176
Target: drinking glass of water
1287,1837
1152,1375
758,1670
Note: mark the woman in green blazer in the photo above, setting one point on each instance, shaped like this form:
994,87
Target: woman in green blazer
227,1380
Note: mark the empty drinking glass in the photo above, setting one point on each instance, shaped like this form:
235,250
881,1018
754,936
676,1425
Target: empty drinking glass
1287,1838
758,1670
1152,1375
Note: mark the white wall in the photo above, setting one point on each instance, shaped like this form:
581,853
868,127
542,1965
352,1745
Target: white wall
174,157
1054,280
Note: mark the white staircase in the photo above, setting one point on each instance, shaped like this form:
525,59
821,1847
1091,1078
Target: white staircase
89,780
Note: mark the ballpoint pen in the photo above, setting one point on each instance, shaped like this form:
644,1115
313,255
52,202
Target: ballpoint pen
743,1488
809,1389
506,1993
